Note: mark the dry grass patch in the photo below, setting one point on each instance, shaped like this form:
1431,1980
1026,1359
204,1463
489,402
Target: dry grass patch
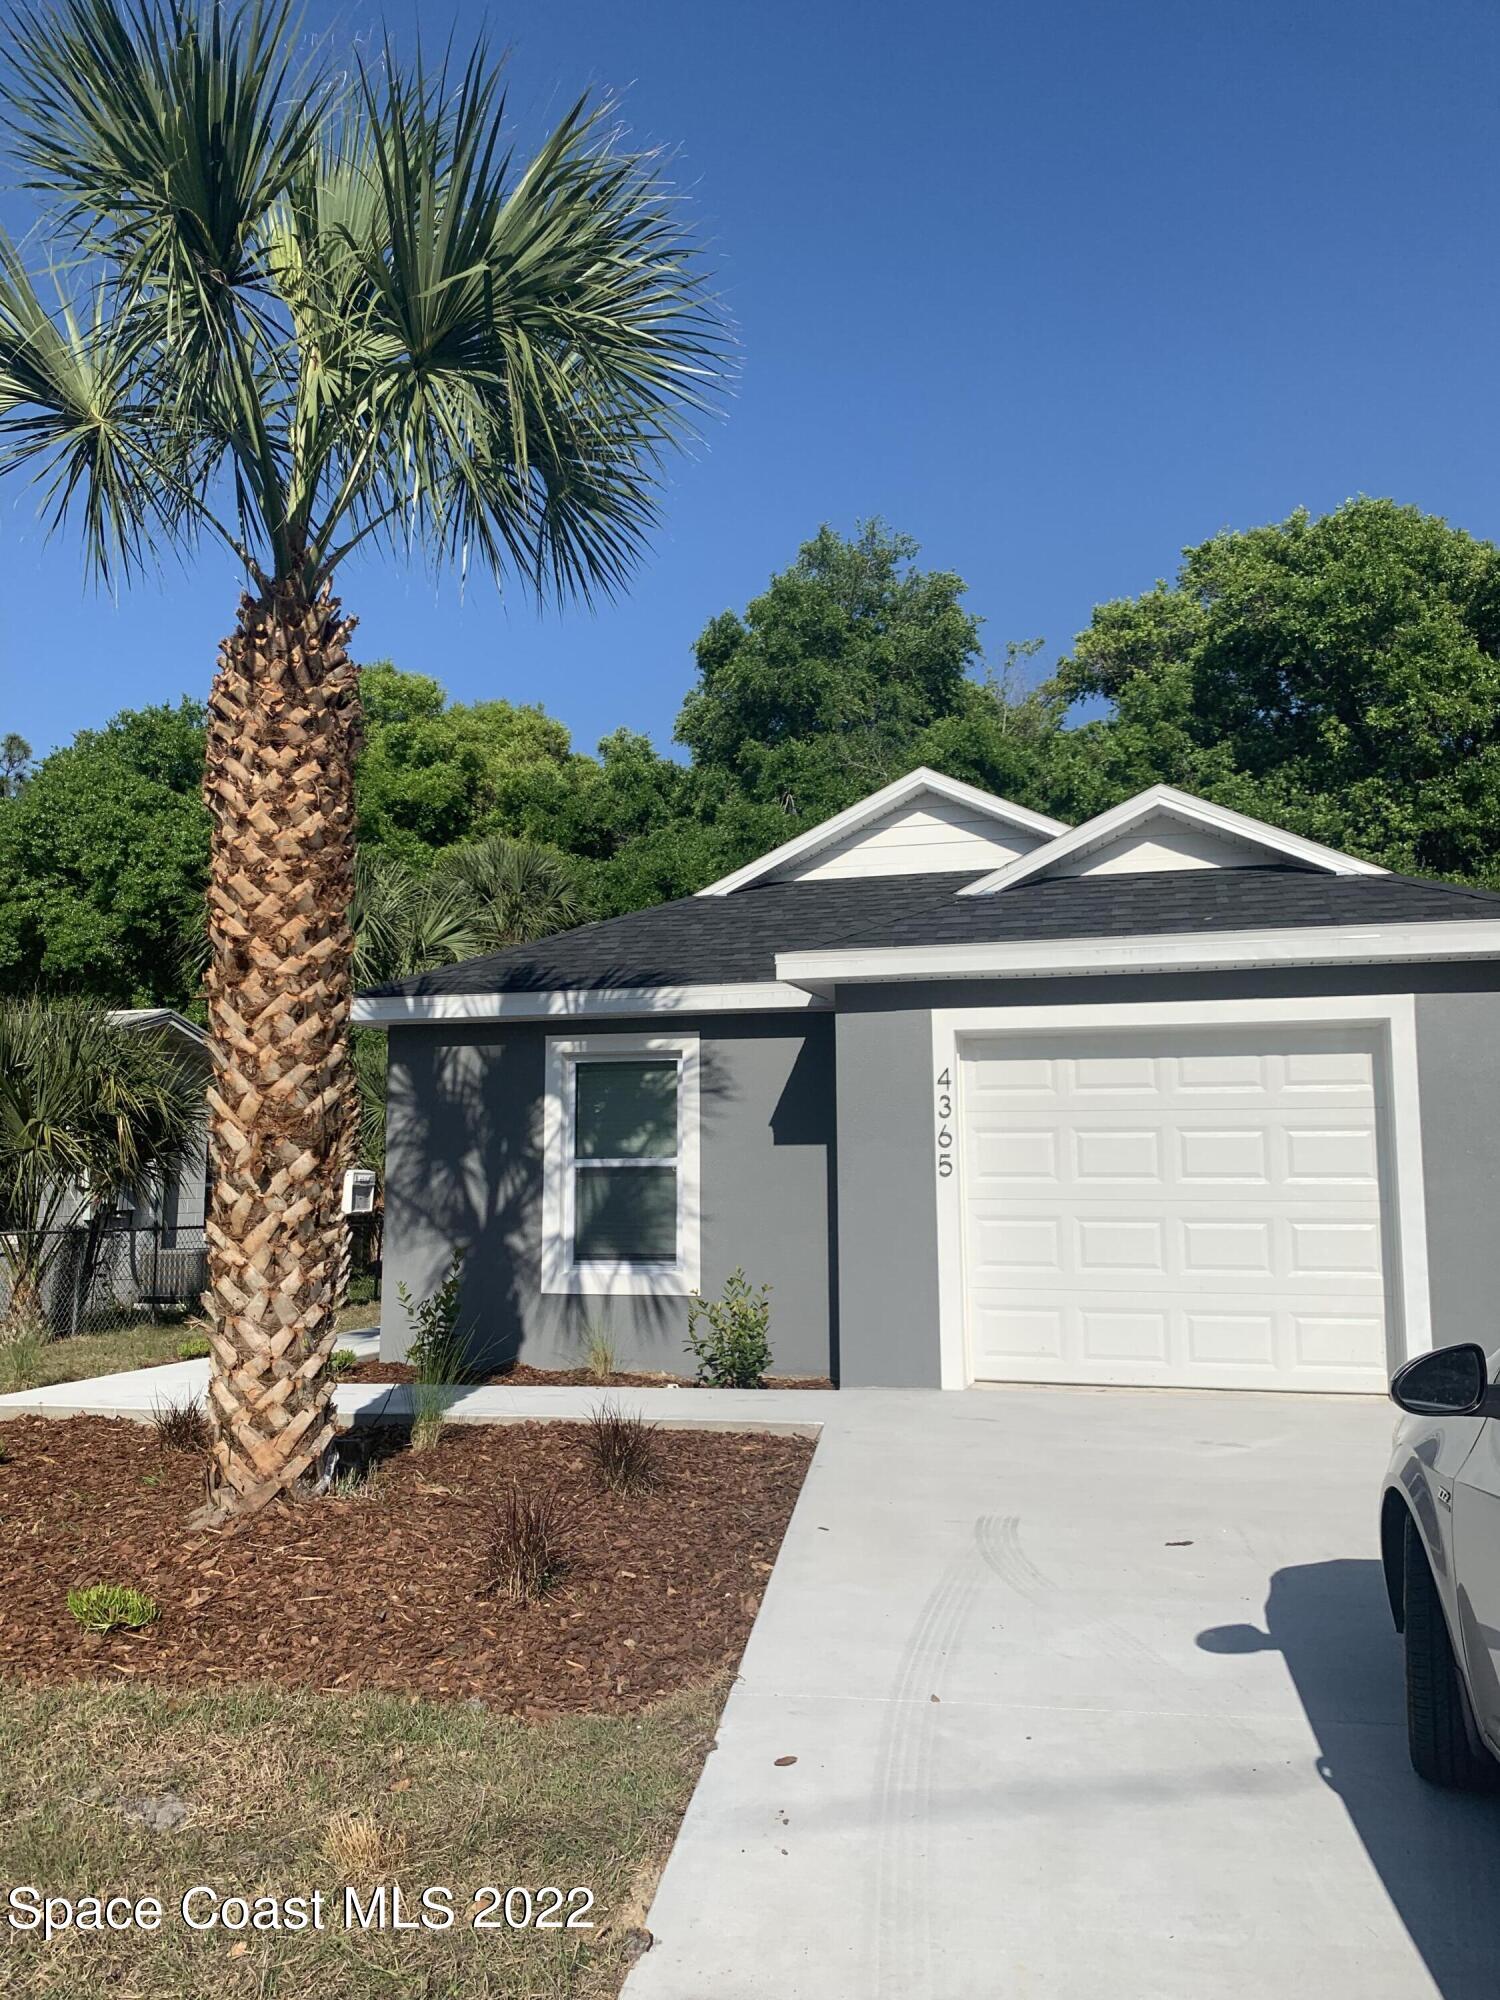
288,1793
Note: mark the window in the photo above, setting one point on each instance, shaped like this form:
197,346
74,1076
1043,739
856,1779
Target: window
620,1206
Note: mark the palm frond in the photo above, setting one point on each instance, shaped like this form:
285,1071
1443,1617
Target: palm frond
516,890
165,131
73,416
345,312
517,351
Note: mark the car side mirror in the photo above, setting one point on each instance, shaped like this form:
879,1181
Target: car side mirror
1453,1382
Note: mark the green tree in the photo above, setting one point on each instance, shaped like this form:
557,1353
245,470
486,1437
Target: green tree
831,673
103,859
312,309
435,772
15,764
853,666
1339,676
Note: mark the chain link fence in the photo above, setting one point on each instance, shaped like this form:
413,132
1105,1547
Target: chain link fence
98,1280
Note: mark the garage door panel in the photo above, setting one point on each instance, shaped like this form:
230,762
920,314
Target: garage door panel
1120,1246
1235,1339
1201,1212
1324,1154
1217,1153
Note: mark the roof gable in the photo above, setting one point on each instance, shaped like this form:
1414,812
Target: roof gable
922,824
1163,829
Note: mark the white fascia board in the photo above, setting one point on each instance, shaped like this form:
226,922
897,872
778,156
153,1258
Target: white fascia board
1166,799
878,803
159,1017
1343,944
764,996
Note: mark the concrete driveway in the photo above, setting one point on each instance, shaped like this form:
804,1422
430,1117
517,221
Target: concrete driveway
1089,1694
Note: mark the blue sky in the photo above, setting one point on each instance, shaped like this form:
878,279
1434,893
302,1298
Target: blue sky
1057,288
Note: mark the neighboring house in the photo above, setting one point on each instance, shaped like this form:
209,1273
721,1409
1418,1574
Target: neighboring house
1171,1097
182,1205
150,1254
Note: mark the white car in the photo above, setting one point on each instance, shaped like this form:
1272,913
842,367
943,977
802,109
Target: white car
1440,1543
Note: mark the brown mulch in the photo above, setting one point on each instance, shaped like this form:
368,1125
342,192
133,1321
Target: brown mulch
521,1375
386,1591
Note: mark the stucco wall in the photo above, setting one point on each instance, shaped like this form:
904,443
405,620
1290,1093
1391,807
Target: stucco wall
887,1201
463,1167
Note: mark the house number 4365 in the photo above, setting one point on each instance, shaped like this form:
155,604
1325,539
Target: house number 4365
945,1124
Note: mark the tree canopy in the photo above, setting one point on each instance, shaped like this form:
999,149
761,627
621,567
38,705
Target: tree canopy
103,858
1339,676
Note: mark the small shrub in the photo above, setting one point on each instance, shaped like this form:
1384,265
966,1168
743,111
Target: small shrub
526,1556
21,1346
183,1426
363,1289
437,1350
437,1354
601,1355
342,1360
622,1448
427,1418
733,1351
111,1607
196,1348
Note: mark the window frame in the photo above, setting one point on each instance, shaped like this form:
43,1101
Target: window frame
598,1277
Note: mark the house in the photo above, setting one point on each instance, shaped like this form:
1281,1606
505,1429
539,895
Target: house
1169,1098
180,1205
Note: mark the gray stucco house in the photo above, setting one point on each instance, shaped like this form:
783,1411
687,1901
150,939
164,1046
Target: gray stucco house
1171,1097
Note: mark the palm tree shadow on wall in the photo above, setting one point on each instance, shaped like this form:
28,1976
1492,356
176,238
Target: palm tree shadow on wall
1437,1853
464,1172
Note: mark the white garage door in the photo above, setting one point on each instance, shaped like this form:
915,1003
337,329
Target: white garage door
1194,1209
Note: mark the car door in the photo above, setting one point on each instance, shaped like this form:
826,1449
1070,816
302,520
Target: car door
1476,1563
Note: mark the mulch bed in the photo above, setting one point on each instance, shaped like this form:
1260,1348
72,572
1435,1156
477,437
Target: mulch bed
520,1375
385,1590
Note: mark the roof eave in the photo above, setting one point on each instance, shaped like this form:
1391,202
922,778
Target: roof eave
1313,944
758,996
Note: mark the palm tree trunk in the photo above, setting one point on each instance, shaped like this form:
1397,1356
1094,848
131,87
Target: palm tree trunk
283,734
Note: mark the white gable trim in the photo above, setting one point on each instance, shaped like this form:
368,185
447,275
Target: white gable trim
901,792
1167,802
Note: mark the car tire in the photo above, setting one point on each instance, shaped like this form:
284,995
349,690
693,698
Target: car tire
1440,1732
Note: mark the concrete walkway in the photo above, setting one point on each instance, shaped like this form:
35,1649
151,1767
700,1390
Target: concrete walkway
136,1392
1089,1695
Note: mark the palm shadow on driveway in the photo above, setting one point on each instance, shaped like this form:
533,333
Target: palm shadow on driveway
1437,1853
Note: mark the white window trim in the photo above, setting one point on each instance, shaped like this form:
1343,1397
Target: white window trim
560,1272
1392,1016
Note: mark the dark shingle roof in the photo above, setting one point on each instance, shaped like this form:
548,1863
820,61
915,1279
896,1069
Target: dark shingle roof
712,940
1176,901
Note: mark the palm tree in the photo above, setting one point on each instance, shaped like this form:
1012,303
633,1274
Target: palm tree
308,311
91,1112
517,889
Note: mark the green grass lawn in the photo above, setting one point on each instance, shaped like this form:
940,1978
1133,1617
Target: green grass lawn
284,1794
81,1356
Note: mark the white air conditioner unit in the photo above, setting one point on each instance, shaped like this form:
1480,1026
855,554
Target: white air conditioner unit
359,1191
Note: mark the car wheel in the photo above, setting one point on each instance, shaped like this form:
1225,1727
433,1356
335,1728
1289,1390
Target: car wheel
1440,1732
